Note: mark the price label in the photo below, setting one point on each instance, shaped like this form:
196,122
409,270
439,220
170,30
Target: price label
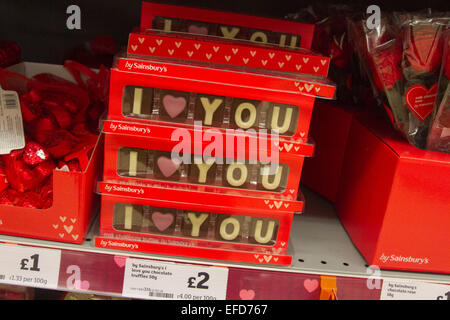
12,135
29,266
164,280
392,290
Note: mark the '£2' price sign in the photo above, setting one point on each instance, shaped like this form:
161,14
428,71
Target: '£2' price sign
203,277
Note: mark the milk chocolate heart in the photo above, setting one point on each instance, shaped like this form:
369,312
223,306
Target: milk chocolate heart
173,105
197,30
167,166
162,221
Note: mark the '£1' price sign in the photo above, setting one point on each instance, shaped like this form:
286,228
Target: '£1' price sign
447,294
29,266
35,267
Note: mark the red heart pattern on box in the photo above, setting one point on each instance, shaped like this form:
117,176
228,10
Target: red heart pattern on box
225,53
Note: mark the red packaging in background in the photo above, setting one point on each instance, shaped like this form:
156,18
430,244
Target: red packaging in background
9,54
330,126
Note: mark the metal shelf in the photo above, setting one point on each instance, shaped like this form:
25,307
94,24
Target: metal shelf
319,246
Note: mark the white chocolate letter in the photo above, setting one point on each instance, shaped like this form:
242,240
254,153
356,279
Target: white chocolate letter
210,108
137,102
286,122
132,168
243,174
167,25
203,169
259,35
269,232
283,41
197,222
238,115
223,228
229,34
276,179
128,217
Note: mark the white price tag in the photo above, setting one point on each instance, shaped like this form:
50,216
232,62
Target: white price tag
175,281
393,290
12,136
29,266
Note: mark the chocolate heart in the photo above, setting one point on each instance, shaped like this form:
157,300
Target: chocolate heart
162,221
173,105
167,166
197,30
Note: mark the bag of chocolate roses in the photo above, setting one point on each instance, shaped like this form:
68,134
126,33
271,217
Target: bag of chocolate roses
403,58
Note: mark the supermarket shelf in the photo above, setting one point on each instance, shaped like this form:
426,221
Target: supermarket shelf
319,246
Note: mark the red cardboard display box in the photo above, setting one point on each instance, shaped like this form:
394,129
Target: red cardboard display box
197,224
177,160
226,52
330,126
181,94
393,199
228,25
74,197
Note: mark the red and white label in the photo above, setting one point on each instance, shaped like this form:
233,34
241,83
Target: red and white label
421,100
226,53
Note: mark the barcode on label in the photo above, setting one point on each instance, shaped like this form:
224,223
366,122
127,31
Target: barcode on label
160,294
10,101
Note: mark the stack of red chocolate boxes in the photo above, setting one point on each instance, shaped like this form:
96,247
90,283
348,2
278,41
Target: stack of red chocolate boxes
206,135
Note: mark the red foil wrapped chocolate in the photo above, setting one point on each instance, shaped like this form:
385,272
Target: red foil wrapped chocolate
61,126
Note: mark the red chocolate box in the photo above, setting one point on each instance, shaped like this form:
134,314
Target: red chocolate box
167,93
202,221
226,24
393,199
218,51
330,125
72,211
252,168
74,197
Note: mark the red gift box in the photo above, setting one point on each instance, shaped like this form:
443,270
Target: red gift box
149,215
74,197
393,199
330,125
217,51
177,94
229,25
146,154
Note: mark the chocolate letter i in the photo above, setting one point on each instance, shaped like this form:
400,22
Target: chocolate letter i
137,102
132,168
128,218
